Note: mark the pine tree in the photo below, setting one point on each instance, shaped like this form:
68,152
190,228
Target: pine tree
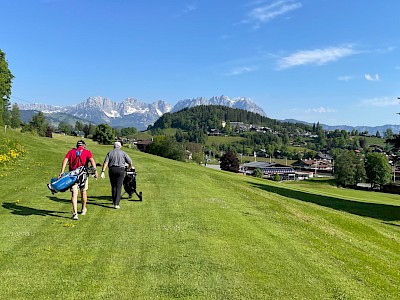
5,88
15,116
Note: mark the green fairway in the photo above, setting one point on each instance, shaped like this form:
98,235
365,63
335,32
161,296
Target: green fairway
199,233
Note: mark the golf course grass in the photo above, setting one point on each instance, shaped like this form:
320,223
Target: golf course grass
199,233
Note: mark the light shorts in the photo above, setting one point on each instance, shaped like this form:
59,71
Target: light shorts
76,188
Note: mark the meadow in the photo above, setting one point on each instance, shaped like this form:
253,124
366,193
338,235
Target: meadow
199,233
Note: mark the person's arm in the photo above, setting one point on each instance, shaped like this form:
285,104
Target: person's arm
64,164
103,169
128,160
93,163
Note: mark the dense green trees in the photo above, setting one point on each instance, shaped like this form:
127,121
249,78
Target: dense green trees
128,131
5,89
192,124
104,134
377,169
65,127
229,162
352,168
37,125
207,117
78,126
349,168
166,146
89,130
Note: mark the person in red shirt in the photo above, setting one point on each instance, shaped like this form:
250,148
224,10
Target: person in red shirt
75,158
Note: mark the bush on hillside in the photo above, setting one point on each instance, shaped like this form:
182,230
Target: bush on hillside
229,162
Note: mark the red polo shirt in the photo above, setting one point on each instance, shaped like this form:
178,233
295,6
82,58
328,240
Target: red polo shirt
75,160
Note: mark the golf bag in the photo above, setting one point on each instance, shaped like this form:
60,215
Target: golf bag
68,179
130,183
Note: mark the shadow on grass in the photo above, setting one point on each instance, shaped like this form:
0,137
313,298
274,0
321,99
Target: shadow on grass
124,197
89,202
134,197
384,212
21,210
391,224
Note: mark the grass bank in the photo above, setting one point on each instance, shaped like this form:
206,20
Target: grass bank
198,234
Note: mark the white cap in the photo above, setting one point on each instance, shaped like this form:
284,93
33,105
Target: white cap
117,145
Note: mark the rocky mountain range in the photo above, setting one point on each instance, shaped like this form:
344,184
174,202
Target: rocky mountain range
241,103
132,112
372,130
135,113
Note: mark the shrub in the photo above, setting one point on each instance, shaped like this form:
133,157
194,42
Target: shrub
276,177
258,173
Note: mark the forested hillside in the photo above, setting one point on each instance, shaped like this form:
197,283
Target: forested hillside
275,138
207,117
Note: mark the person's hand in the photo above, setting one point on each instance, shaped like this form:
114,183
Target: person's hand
102,175
61,174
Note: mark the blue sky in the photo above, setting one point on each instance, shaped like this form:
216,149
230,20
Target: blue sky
330,61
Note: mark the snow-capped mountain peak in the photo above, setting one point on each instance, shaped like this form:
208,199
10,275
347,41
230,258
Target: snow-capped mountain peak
135,113
240,103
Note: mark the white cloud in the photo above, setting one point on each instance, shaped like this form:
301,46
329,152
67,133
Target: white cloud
189,8
315,57
317,110
372,78
380,102
320,110
240,70
345,78
265,13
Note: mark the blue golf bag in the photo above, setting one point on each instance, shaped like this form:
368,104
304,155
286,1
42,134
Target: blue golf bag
68,179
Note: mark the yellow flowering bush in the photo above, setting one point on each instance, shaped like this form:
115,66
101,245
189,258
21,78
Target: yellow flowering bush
10,151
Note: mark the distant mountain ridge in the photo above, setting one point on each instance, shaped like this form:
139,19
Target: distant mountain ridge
134,113
240,103
370,129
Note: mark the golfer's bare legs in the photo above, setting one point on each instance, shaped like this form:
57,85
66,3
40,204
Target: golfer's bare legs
74,200
84,199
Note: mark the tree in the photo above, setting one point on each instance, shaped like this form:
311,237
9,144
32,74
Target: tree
166,146
5,87
388,134
78,126
38,125
276,177
89,130
64,127
349,168
128,132
229,162
258,173
363,142
6,115
377,169
104,134
15,116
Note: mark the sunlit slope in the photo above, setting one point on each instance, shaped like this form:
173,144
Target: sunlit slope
197,234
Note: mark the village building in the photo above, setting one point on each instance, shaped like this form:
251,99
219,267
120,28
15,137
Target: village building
269,169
